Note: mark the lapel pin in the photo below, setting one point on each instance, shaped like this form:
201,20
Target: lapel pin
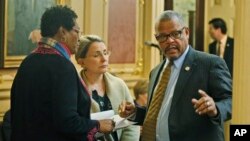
187,68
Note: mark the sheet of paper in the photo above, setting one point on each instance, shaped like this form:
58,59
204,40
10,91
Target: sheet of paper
103,115
121,122
110,114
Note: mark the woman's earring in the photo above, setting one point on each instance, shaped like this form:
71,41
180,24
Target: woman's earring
63,39
84,68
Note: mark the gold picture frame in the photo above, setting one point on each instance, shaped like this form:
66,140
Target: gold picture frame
18,19
122,32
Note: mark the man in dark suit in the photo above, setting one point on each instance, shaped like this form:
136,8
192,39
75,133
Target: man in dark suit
197,97
222,45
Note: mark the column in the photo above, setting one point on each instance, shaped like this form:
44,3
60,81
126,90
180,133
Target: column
241,80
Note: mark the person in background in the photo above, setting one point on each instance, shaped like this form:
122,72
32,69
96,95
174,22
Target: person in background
190,92
49,102
35,36
107,91
141,95
223,45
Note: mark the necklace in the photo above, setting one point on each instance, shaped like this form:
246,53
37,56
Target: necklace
103,101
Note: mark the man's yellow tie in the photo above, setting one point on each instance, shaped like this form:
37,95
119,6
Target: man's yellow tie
149,125
220,50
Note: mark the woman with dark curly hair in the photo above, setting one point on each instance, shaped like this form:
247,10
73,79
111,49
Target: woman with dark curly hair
49,102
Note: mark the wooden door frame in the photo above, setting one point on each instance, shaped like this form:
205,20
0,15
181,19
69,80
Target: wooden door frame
199,24
2,12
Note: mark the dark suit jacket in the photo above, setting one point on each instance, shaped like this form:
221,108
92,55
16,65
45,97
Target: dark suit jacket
209,73
228,54
48,101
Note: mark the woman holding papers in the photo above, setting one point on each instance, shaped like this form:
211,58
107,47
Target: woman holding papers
107,91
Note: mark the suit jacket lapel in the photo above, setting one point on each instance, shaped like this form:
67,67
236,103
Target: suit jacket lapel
213,48
154,78
185,73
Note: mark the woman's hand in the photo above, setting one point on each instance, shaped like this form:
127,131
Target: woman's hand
126,109
106,126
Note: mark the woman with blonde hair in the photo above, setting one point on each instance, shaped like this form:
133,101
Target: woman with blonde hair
107,91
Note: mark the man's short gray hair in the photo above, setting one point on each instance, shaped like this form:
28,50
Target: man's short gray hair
170,15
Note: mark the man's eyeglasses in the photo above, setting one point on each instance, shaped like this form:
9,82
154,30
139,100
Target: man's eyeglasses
105,53
174,35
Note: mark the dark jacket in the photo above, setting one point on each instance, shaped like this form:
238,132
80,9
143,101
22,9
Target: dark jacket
6,127
228,54
49,101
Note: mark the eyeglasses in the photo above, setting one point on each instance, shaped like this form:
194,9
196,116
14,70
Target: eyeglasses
98,54
174,35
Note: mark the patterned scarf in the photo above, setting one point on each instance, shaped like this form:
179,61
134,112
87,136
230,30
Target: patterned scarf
49,43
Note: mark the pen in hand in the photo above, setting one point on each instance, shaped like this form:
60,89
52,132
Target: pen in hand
126,109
